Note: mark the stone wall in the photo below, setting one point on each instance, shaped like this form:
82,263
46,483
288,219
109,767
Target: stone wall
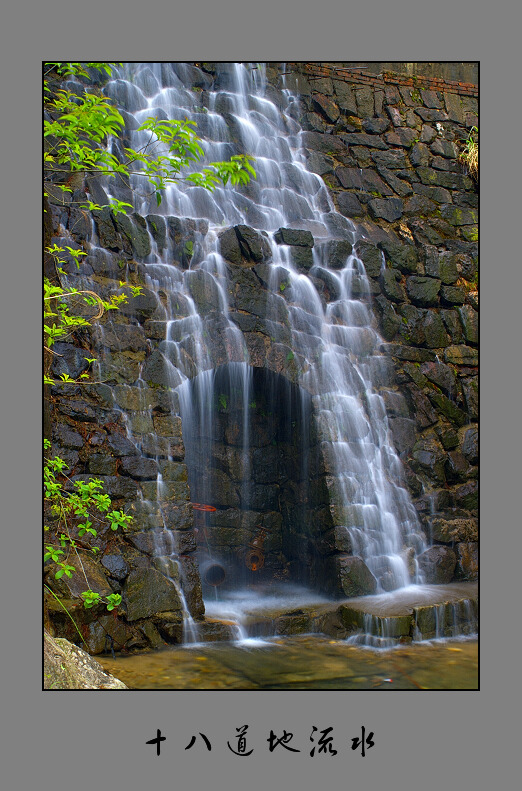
389,155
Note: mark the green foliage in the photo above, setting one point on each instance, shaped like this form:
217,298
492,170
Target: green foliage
60,323
79,129
223,401
469,156
76,512
77,140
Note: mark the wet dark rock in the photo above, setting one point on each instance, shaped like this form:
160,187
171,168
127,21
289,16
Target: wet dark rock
115,565
366,180
469,319
82,411
375,126
69,359
390,322
158,229
336,253
143,306
326,106
428,456
452,295
466,496
399,186
441,375
121,446
428,114
461,355
158,371
192,586
419,204
423,291
102,465
204,290
126,337
420,155
400,136
409,353
324,144
87,576
434,331
403,433
437,564
178,516
371,257
134,228
335,540
69,456
126,95
302,258
453,325
402,257
139,468
113,485
292,236
450,531
147,592
389,159
447,435
170,626
444,148
66,436
254,246
355,578
388,210
458,216
319,163
470,447
448,408
144,541
391,285
349,204
229,246
457,467
470,390
331,286
192,76
449,181
425,415
467,560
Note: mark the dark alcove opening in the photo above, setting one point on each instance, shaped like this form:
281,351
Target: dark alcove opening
248,437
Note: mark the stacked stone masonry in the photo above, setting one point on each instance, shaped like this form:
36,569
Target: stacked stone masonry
389,152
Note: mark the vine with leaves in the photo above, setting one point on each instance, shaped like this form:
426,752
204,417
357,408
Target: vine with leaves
78,130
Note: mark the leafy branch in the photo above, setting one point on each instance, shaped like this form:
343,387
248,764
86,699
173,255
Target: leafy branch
76,511
78,131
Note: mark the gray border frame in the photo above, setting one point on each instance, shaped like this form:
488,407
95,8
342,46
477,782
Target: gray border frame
422,741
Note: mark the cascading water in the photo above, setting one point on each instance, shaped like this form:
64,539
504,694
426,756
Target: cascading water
333,341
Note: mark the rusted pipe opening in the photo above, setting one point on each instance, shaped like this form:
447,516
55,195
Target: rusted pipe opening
214,575
255,559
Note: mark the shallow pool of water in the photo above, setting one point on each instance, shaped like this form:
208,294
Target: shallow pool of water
302,662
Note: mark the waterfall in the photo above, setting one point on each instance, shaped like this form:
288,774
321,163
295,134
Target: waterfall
334,400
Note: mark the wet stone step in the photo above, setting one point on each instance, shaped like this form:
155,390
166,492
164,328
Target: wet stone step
418,612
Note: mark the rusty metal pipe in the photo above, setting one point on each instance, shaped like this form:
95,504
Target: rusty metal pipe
214,575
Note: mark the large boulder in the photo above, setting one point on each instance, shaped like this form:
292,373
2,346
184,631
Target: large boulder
349,576
148,592
437,564
66,666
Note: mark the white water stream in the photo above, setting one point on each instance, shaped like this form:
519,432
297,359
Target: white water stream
335,341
